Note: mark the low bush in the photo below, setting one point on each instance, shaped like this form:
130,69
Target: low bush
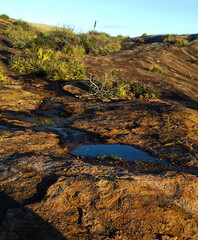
77,50
40,40
112,86
49,65
100,43
63,38
176,40
20,33
4,17
71,69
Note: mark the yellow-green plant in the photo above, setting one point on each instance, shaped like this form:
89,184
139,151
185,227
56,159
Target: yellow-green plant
3,78
4,17
20,33
76,50
63,38
111,159
35,63
66,69
44,57
176,40
50,65
157,69
100,43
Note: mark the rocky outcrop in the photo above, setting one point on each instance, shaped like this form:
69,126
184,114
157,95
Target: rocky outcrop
47,193
47,197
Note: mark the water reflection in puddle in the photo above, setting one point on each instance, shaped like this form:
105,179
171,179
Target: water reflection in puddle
122,151
125,152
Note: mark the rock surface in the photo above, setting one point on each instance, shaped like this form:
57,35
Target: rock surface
46,193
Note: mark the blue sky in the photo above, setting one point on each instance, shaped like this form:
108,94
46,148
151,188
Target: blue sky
126,17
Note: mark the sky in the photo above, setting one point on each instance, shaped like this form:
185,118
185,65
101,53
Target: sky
116,17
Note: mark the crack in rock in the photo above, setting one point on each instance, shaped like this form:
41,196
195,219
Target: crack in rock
42,188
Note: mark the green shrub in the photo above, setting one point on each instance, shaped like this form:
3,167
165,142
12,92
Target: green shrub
111,86
157,69
141,90
176,40
50,65
77,50
71,69
4,17
63,38
20,33
100,43
41,40
182,43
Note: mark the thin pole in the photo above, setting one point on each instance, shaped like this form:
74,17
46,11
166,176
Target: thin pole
95,24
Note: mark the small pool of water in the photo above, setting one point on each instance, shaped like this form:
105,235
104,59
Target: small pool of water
126,152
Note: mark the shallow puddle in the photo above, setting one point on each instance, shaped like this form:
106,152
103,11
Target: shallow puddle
126,152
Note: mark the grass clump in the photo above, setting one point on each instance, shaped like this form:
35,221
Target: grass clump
157,69
176,40
76,50
4,17
3,78
63,38
50,65
112,160
40,40
100,43
112,86
20,33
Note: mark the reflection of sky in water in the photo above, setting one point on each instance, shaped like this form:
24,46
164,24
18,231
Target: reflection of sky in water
122,151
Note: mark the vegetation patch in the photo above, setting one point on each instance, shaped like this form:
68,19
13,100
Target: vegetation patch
22,36
100,43
46,121
3,78
4,17
55,54
20,33
176,40
112,86
50,65
157,69
112,160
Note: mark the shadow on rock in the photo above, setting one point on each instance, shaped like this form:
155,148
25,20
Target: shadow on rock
19,222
